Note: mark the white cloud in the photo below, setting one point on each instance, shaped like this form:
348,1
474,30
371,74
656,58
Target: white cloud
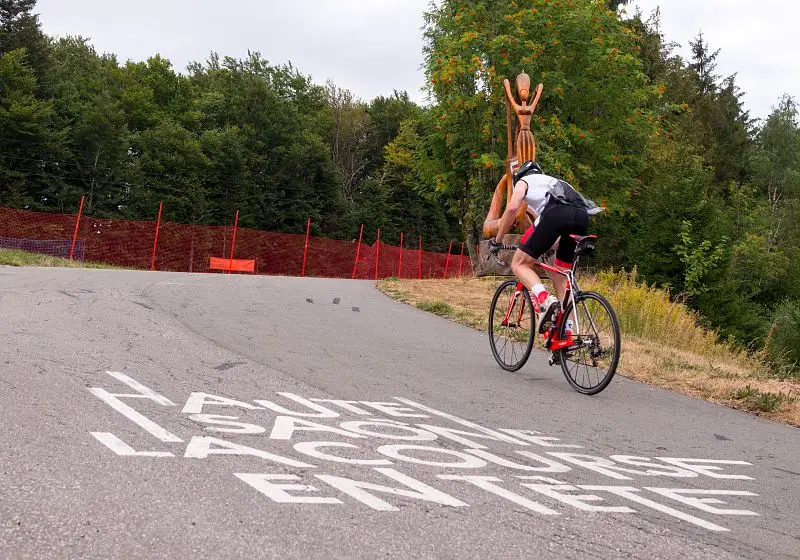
370,47
374,46
757,42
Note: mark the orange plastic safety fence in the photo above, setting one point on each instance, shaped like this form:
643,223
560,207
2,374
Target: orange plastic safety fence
188,248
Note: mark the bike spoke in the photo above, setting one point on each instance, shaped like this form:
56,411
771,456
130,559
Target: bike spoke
510,327
591,364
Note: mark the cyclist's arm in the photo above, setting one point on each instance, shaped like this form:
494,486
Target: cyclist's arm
510,215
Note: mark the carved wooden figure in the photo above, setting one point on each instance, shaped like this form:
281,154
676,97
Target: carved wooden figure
522,149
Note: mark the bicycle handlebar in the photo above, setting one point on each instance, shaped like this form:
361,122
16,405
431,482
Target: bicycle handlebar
501,262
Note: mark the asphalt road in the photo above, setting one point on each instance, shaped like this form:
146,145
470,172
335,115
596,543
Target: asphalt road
159,415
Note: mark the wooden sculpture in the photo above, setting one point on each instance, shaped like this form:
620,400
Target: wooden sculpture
519,151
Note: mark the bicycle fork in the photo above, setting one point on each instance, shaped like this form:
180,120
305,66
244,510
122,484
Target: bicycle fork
511,303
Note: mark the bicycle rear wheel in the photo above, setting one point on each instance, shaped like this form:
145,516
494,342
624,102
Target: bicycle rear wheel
511,326
591,362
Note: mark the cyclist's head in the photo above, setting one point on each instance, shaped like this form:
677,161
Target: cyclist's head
527,168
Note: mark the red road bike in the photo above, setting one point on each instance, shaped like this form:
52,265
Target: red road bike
588,354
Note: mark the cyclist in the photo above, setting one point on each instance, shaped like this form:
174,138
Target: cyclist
560,211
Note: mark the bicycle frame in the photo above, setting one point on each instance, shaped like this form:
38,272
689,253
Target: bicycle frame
551,339
581,349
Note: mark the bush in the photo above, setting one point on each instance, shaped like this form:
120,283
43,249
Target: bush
783,341
647,312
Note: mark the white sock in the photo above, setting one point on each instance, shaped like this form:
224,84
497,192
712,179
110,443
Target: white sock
539,293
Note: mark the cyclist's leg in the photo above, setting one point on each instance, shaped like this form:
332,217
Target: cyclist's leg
522,267
536,241
539,242
522,264
576,223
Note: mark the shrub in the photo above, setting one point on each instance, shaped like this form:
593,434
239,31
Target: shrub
783,342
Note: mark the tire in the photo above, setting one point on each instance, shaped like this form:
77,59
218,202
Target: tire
521,332
590,364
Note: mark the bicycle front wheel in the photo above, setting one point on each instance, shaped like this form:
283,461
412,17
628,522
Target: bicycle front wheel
511,323
591,361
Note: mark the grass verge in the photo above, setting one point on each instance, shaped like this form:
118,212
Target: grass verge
662,343
14,257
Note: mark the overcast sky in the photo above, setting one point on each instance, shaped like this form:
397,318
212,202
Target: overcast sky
374,46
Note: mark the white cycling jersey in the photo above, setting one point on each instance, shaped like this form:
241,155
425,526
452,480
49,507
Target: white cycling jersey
537,195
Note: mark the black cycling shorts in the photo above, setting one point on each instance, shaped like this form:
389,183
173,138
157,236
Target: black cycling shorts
558,220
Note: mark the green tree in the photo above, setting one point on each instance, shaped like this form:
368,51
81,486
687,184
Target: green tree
20,29
783,341
87,103
386,116
171,166
277,112
30,147
593,120
349,125
226,176
776,165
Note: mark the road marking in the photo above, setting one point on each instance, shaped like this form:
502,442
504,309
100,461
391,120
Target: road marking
278,492
143,391
557,492
292,426
381,427
706,466
319,410
358,489
113,400
631,494
200,447
464,461
684,496
487,483
457,420
311,448
123,449
142,421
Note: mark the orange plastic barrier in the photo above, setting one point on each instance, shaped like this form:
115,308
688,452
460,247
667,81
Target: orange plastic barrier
162,245
232,265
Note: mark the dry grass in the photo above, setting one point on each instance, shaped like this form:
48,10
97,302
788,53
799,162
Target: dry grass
662,343
14,257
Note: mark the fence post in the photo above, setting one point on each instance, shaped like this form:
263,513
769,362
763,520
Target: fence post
378,253
419,269
155,242
305,249
75,235
447,262
358,250
461,260
400,263
233,240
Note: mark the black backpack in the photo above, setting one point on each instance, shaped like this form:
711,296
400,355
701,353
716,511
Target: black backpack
562,192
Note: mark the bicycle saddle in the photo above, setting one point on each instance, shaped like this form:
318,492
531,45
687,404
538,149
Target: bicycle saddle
584,244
